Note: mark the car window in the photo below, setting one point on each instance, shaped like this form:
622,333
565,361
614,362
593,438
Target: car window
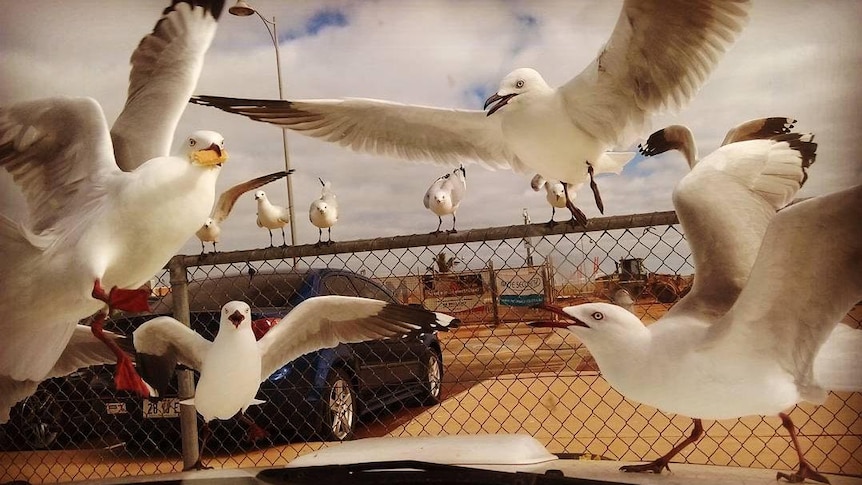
339,285
369,289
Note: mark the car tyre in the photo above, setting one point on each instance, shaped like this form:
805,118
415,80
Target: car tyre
339,407
38,420
432,379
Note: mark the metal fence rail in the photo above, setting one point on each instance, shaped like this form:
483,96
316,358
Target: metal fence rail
499,375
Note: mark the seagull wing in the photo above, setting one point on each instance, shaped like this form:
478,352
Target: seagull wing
228,198
162,342
659,54
166,66
326,321
59,153
407,132
807,277
759,129
725,205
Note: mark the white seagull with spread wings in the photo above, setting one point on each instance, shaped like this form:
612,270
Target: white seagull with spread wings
234,364
759,331
658,55
107,209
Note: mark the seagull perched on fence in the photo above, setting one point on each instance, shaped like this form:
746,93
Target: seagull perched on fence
759,330
323,212
211,230
271,216
107,209
558,197
658,55
234,364
445,195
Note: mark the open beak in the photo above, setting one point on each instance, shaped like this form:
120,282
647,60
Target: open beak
567,321
236,318
500,100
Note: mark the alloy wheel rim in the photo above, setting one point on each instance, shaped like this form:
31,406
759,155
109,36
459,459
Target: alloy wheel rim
341,407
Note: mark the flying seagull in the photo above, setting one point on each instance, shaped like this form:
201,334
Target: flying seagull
323,212
234,364
96,200
558,197
211,230
657,57
271,216
758,332
445,195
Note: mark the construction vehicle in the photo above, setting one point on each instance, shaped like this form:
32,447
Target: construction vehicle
631,276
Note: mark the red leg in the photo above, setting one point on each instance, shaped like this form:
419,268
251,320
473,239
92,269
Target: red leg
805,468
205,436
662,463
125,375
120,299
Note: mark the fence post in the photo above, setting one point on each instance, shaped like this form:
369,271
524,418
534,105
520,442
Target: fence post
185,377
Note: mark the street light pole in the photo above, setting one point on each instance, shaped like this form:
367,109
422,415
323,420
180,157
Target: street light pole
243,9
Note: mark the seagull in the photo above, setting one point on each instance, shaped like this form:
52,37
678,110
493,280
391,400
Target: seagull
657,57
558,196
96,200
323,212
211,230
234,364
758,332
445,194
271,216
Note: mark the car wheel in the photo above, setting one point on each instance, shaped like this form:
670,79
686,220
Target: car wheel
432,380
38,420
339,413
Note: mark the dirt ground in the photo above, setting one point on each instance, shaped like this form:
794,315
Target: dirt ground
515,379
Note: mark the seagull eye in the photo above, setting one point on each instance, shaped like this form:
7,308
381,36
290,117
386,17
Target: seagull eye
192,142
597,316
520,83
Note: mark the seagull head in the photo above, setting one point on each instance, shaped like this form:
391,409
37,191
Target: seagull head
556,189
206,148
209,222
595,322
236,313
518,82
260,195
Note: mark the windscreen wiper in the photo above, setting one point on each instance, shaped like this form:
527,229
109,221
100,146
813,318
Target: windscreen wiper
413,472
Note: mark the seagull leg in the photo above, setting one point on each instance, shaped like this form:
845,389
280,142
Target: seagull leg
806,471
205,436
662,463
270,238
595,188
319,238
552,222
453,231
577,215
120,299
255,432
203,248
283,238
439,223
329,235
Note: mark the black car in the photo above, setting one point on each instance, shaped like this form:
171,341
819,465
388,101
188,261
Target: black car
322,394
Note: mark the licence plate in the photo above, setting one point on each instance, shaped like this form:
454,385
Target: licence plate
116,408
163,408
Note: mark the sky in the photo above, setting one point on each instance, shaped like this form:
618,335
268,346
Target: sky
799,59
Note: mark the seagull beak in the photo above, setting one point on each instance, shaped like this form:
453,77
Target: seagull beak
500,100
236,318
566,323
210,156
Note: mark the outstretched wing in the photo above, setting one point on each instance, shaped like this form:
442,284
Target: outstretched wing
166,66
58,151
406,132
161,343
326,321
659,54
725,204
228,198
758,129
807,277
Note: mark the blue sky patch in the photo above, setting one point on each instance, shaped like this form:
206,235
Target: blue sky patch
317,23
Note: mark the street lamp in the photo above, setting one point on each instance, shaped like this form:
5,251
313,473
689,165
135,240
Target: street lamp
243,9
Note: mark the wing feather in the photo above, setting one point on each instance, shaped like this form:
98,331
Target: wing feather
229,197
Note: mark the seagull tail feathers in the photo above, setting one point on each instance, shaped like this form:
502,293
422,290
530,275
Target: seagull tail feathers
838,365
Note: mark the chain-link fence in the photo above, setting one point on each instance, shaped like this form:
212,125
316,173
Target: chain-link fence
494,374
